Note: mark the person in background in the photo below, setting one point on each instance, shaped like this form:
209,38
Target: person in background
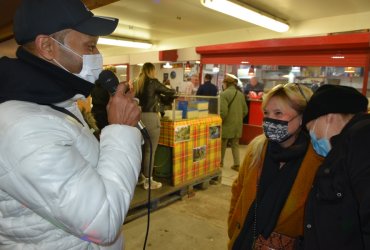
269,194
186,87
195,83
167,83
60,188
207,88
232,110
338,208
165,102
253,89
148,90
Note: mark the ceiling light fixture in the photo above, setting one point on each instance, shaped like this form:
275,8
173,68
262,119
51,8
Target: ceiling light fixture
124,43
187,66
167,66
337,57
247,14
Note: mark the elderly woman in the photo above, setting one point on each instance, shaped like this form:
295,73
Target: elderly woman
233,109
268,197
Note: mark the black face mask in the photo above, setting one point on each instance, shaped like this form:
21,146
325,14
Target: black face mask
276,130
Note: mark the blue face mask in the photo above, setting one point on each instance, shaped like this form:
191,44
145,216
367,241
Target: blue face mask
321,146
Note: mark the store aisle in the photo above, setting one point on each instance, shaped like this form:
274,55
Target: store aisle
229,175
196,223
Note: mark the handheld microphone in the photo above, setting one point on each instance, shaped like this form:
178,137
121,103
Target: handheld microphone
109,81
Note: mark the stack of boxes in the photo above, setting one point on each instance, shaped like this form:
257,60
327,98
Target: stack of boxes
173,114
188,110
201,107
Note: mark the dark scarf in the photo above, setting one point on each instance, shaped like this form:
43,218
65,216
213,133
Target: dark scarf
29,78
274,187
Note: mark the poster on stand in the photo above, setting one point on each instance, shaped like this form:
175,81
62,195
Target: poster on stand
215,132
199,153
182,133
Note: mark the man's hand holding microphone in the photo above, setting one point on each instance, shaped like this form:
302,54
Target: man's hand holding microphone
122,107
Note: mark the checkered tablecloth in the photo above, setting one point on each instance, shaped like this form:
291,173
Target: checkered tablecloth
195,154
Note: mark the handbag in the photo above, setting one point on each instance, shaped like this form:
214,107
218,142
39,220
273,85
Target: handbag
275,241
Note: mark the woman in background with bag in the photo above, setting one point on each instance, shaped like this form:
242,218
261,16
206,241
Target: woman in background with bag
278,169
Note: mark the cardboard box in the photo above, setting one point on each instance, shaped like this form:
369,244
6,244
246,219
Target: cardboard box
192,113
170,115
199,105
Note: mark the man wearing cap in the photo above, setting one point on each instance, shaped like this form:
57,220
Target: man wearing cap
60,188
338,207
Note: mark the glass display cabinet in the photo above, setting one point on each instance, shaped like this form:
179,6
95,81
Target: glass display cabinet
187,107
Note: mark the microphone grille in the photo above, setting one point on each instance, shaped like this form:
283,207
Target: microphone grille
108,80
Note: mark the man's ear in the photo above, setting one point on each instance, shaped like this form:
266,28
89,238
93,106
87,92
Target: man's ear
45,47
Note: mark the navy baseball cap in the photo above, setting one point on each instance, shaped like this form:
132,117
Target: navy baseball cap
36,17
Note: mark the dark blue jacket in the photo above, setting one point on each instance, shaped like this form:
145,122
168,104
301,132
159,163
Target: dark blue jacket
207,89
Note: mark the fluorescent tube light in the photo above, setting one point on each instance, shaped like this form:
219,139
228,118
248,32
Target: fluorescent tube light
337,57
245,14
124,43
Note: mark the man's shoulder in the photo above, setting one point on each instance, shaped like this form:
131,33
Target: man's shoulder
14,106
21,112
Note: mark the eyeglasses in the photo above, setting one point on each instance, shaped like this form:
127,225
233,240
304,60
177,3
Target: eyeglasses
299,88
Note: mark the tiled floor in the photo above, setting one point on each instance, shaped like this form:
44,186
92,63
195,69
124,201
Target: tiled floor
196,223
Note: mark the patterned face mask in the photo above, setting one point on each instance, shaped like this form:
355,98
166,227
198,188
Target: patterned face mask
276,130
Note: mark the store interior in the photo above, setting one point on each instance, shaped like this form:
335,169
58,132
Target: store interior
328,43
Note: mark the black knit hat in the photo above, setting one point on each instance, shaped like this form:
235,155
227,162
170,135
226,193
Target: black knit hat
36,17
334,99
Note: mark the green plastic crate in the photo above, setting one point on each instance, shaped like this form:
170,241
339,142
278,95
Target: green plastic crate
163,162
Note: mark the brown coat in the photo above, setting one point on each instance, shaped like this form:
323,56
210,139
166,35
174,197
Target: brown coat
290,221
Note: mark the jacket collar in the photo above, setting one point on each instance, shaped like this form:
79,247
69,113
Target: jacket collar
355,119
30,78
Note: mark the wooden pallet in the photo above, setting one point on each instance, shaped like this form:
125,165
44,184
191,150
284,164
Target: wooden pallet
168,194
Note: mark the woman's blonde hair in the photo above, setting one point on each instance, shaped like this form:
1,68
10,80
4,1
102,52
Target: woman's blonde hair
294,95
146,71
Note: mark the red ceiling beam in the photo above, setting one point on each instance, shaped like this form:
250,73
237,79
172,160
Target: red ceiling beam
318,43
168,55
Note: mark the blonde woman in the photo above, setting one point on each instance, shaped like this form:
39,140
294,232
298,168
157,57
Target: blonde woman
148,89
278,169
